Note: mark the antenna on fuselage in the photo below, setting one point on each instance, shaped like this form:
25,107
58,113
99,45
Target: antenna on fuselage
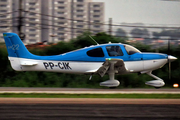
94,40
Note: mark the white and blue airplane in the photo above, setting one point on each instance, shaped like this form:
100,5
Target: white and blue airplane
111,59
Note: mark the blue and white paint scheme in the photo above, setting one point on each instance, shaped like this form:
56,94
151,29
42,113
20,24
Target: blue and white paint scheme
111,59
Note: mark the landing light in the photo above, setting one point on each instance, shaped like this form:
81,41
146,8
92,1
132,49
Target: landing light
175,85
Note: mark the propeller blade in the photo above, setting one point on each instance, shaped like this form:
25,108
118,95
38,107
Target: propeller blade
169,69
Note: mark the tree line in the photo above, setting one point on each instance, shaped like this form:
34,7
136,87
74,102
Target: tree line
11,78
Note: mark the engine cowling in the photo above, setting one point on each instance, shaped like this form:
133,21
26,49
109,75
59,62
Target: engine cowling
110,83
155,83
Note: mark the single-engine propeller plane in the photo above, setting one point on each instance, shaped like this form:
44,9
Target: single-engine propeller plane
111,59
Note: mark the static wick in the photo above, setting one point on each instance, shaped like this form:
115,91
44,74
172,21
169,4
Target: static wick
94,40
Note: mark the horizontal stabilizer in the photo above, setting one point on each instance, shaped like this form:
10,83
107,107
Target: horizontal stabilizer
28,63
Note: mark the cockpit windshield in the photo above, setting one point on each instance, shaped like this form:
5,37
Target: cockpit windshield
131,50
114,51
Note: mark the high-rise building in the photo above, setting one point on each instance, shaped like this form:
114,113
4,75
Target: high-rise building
79,17
59,20
32,22
96,16
6,15
73,17
53,20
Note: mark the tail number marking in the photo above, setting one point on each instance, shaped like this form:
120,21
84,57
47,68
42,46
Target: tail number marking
14,47
61,65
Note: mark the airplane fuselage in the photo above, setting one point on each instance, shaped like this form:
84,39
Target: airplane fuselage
82,62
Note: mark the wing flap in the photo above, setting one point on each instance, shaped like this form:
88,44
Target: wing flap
91,71
119,67
103,69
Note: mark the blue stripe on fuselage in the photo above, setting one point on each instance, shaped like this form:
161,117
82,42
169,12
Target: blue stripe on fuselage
153,56
82,56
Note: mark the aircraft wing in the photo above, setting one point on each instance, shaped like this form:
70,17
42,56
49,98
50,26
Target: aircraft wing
116,65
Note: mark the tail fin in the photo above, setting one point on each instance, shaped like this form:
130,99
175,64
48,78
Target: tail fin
15,46
16,51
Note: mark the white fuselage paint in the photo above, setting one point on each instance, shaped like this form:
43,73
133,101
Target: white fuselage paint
79,67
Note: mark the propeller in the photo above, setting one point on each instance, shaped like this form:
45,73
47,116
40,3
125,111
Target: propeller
170,59
169,68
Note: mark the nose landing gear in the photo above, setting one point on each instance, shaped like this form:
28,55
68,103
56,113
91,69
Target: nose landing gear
158,83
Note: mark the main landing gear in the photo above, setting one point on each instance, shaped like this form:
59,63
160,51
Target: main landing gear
112,83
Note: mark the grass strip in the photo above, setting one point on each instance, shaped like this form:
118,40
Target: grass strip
45,95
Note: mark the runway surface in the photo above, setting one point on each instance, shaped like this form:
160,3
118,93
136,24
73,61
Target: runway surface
88,109
87,90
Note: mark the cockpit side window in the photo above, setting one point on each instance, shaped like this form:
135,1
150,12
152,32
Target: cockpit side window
97,52
131,50
114,51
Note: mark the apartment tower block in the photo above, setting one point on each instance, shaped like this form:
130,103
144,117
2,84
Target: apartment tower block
51,20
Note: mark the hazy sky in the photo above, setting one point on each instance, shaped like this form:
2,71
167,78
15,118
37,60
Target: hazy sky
143,11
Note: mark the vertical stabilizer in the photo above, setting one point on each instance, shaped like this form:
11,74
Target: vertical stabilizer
16,50
15,46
